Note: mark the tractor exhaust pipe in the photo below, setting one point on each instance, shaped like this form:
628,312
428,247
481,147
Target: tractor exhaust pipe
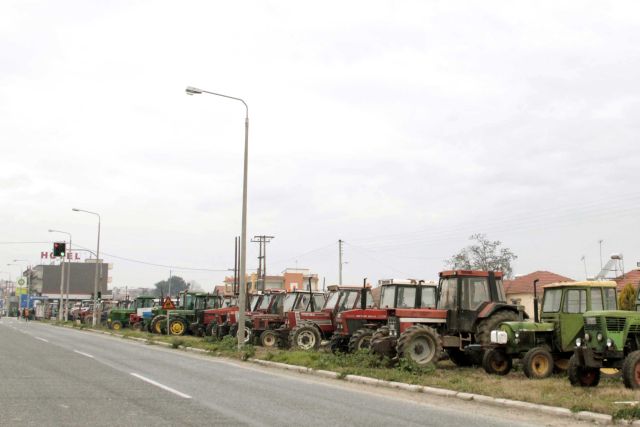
536,318
363,295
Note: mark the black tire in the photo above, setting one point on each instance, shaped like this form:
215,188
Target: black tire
376,347
496,362
158,324
421,344
116,325
177,326
459,357
211,330
138,326
338,344
581,376
360,340
248,332
304,336
538,363
270,339
631,370
485,326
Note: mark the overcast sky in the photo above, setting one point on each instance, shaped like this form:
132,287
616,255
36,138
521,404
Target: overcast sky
400,127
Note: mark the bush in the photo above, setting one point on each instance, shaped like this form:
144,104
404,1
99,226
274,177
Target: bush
177,342
627,298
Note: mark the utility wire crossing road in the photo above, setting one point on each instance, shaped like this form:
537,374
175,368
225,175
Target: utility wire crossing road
63,377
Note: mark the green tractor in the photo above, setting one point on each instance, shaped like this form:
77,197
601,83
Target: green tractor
611,339
118,318
547,344
185,315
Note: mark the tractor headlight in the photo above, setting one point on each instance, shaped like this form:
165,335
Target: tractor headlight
587,337
599,337
609,343
578,342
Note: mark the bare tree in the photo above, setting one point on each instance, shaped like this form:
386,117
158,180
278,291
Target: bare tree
484,255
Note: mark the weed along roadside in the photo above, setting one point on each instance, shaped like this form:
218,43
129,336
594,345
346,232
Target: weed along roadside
610,398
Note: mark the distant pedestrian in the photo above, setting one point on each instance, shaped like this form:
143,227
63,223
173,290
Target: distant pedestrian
18,315
26,314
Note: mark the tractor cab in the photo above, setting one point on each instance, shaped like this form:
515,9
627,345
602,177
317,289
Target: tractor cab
302,301
396,293
342,298
466,294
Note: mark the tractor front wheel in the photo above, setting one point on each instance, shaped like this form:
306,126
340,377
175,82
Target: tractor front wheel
177,327
304,336
581,375
496,362
379,345
159,324
137,326
116,325
360,340
631,370
537,363
269,339
421,344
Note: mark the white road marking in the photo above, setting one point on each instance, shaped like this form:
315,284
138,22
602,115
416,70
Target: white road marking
84,354
41,339
162,386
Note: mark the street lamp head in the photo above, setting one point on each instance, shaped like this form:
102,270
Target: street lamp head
51,231
193,90
75,209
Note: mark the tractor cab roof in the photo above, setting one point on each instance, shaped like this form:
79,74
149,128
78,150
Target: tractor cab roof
589,283
334,288
414,282
472,273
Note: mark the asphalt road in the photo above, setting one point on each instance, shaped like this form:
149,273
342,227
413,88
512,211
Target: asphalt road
63,377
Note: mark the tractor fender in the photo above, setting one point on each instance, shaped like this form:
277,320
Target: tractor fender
493,307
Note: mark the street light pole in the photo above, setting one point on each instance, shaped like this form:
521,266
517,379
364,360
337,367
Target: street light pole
68,275
95,284
243,235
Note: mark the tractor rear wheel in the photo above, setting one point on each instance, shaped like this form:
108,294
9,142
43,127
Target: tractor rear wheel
211,330
248,332
269,339
582,376
177,326
496,362
338,344
360,340
631,370
421,344
304,336
159,324
116,325
537,363
137,326
485,326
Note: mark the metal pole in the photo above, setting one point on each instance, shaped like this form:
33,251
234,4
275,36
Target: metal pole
66,310
61,300
340,262
169,291
243,238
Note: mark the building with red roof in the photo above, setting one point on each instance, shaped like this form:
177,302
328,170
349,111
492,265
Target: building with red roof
520,290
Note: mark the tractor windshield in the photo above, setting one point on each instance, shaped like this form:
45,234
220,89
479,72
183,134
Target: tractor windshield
610,300
288,302
406,296
264,302
318,301
428,297
213,302
189,301
388,297
332,301
448,293
276,302
552,300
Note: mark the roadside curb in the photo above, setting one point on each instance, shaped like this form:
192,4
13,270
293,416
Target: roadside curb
488,400
435,391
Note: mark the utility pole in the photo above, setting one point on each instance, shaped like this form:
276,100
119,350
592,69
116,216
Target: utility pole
61,307
340,262
236,258
261,276
584,260
600,242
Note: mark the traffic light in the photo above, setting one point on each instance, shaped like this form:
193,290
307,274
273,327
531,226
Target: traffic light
59,249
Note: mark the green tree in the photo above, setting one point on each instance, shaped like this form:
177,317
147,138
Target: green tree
627,298
483,254
177,285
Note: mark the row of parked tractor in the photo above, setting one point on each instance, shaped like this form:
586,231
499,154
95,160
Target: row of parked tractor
465,317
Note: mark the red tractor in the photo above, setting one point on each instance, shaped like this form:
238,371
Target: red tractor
470,305
259,323
355,328
305,329
218,322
